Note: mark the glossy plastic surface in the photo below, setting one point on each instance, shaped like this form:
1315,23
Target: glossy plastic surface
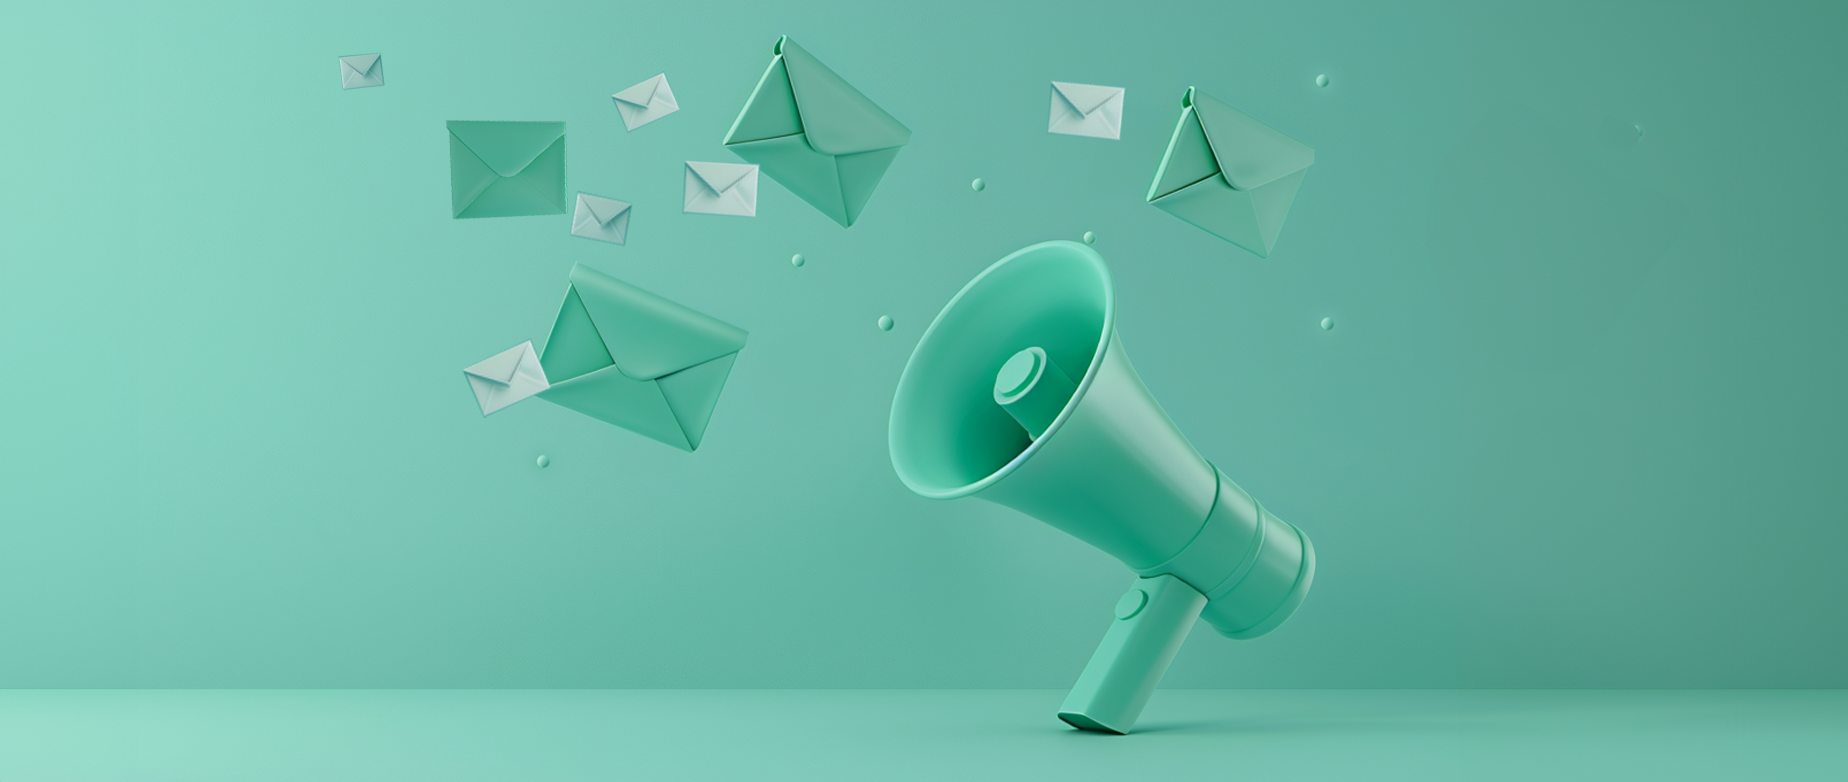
815,134
1151,623
1033,390
1229,174
986,408
1254,567
1112,470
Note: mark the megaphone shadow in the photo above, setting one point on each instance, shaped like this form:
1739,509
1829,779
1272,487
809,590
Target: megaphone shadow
1290,725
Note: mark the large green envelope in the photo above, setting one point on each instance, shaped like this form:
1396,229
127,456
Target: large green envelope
815,134
620,354
506,169
1229,174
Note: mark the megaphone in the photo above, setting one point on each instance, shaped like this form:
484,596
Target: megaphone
1019,393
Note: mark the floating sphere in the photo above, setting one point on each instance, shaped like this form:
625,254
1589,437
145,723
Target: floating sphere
885,323
978,185
1328,324
544,461
1090,238
1321,80
797,260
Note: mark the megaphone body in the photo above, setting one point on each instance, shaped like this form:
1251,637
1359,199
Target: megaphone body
1020,394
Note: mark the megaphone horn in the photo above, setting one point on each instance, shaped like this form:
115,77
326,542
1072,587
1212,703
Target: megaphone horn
1020,393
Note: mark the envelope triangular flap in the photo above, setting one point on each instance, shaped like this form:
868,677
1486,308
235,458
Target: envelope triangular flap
501,367
1189,158
1271,205
692,393
810,175
838,119
719,176
513,197
1219,209
507,147
545,176
1250,153
860,174
469,176
641,94
664,97
529,367
360,62
771,111
574,348
612,397
603,210
1086,98
648,336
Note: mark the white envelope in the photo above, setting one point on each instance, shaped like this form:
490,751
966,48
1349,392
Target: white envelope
361,70
1086,110
603,219
646,102
721,189
510,376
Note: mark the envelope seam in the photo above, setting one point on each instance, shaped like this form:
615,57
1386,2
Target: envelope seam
1188,185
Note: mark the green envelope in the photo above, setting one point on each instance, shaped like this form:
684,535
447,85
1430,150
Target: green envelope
506,169
815,134
625,356
1229,174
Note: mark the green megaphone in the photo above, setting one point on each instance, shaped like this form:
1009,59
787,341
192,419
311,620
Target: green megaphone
1019,393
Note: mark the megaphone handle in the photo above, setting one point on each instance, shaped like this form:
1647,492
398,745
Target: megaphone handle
1153,619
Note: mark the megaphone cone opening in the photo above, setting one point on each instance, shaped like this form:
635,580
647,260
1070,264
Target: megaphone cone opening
948,436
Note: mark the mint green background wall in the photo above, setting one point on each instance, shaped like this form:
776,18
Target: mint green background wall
1579,425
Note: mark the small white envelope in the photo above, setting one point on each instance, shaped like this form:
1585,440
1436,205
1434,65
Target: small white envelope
510,376
646,102
603,219
1086,110
721,189
361,70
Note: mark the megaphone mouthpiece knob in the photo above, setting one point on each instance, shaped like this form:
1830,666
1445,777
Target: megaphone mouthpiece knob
1033,389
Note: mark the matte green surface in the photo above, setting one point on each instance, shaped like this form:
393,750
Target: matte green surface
1333,735
816,134
1109,467
1033,390
506,169
628,357
1240,186
1152,621
1580,425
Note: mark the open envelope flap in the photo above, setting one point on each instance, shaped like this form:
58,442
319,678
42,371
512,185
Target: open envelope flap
641,94
648,336
1250,153
507,147
719,176
837,118
771,112
1086,98
603,210
360,62
1189,158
